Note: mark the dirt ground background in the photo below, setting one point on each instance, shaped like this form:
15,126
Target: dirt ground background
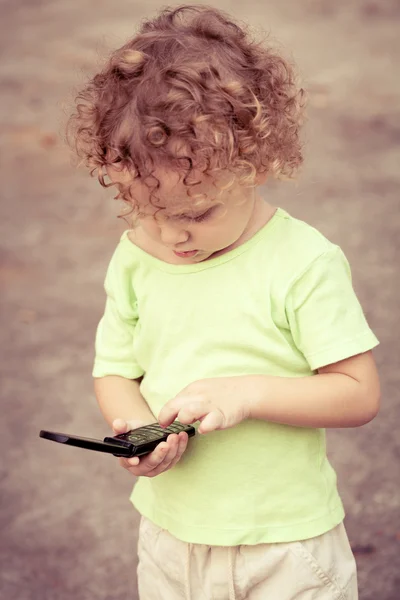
68,530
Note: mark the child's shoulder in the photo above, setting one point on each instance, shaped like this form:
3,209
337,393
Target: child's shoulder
301,231
123,259
300,245
300,237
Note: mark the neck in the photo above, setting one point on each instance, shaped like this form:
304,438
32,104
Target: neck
262,213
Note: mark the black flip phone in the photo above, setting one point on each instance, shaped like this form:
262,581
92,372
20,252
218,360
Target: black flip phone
136,442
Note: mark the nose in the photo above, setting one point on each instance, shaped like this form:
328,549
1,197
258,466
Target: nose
173,233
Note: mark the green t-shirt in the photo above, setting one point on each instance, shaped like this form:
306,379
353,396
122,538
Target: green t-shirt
281,304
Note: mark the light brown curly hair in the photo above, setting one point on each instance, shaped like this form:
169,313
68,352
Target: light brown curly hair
194,76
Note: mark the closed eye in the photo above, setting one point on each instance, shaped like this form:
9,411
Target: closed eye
203,217
199,218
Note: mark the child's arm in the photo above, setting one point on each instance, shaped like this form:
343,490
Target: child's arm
120,398
344,394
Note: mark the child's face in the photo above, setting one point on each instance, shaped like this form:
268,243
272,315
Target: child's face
191,232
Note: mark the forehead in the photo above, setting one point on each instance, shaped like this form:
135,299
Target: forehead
168,189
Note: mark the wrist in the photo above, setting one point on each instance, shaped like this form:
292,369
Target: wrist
257,404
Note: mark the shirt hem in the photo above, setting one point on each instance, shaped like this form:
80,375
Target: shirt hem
103,370
363,343
268,534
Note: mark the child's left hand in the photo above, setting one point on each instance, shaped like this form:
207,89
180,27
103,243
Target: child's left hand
219,403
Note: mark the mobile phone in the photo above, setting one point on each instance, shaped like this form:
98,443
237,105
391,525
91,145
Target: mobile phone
136,442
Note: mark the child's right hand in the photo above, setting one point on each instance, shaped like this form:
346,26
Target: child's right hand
164,457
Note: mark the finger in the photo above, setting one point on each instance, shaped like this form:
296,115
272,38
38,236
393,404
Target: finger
144,465
167,415
127,463
182,445
124,463
173,444
120,426
193,412
211,422
163,452
132,465
169,459
177,446
152,460
166,462
170,410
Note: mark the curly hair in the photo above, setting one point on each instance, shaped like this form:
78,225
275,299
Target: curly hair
194,76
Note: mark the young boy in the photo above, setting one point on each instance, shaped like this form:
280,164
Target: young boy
224,311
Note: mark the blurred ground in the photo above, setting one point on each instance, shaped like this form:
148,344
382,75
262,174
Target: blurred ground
68,530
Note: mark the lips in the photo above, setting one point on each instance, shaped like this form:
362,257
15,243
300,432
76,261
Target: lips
187,254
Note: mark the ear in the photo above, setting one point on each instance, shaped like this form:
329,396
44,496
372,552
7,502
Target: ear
118,173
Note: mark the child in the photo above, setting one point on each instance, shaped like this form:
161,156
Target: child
226,312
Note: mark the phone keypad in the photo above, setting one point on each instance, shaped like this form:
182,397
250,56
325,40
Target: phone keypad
141,438
150,433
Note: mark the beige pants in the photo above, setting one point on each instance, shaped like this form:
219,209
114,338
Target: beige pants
322,568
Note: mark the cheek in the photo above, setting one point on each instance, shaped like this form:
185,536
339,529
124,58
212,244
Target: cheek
224,232
149,226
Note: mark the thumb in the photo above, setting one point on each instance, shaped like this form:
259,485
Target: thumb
120,426
134,424
211,422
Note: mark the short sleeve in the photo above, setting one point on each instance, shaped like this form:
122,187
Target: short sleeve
114,346
325,317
